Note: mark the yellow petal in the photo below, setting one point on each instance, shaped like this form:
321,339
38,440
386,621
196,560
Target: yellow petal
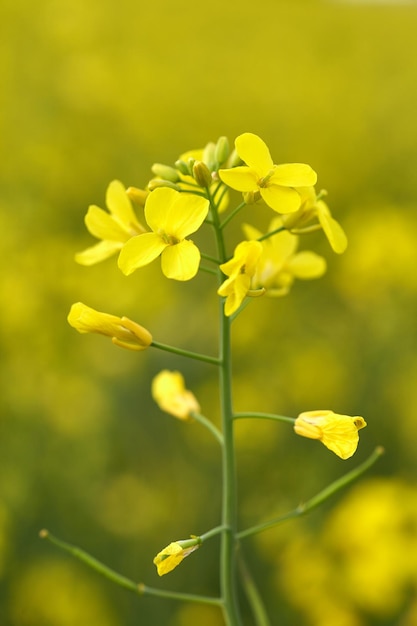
307,265
175,214
119,204
281,199
240,178
139,251
332,229
99,252
293,175
102,225
181,261
254,152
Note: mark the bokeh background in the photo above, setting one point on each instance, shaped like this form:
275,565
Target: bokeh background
97,90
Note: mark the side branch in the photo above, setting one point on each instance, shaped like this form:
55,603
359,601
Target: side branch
318,499
137,588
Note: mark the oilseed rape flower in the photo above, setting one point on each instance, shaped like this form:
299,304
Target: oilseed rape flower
275,183
169,392
171,556
171,216
280,263
339,433
312,208
122,331
114,227
240,269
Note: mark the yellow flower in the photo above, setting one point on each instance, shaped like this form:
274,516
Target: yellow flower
169,392
122,330
314,208
114,227
337,432
171,556
280,263
172,216
275,183
240,270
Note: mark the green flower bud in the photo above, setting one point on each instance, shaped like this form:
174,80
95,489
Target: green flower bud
202,174
182,167
159,182
209,156
222,150
166,172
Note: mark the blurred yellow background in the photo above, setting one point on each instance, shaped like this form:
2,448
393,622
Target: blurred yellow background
97,90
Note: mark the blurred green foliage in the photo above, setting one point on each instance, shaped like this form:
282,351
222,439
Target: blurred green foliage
97,90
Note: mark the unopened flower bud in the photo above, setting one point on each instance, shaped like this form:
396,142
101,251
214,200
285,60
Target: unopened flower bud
159,182
202,174
182,167
234,159
138,196
209,156
250,197
222,150
122,331
165,172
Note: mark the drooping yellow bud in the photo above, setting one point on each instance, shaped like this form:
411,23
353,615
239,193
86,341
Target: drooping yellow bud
339,433
171,556
122,331
169,392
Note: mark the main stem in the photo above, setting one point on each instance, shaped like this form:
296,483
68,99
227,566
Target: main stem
229,504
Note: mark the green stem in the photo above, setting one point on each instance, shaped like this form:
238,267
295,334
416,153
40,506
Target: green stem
209,425
273,232
252,593
137,588
229,504
231,216
187,353
264,416
318,499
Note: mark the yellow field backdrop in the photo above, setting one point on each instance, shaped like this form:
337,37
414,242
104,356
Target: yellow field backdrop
98,90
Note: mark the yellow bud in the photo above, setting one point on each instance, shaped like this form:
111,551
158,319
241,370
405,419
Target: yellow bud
122,331
138,196
202,174
165,172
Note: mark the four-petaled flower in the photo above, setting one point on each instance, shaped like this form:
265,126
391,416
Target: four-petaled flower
172,216
122,331
114,227
280,263
276,183
339,433
314,208
240,269
169,392
171,556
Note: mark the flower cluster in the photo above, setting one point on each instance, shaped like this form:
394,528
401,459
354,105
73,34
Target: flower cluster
141,225
179,199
